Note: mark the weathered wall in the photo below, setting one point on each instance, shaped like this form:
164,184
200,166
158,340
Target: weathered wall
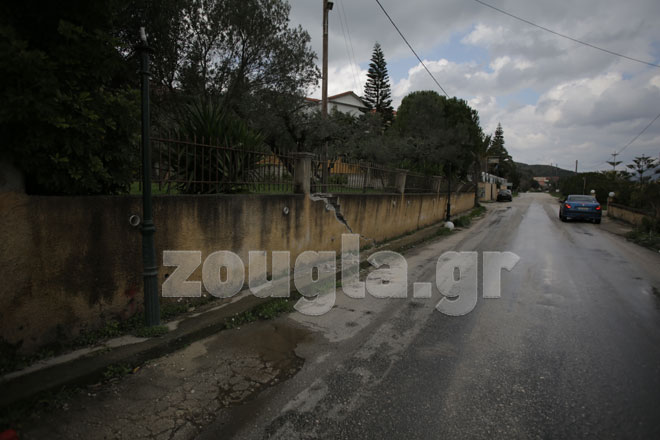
487,191
630,215
73,262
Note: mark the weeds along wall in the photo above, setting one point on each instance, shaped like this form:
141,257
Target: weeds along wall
72,263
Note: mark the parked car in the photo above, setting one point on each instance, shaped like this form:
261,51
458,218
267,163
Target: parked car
580,207
504,195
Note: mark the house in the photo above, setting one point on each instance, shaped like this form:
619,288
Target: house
544,182
347,102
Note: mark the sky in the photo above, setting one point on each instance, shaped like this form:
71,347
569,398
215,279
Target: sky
558,101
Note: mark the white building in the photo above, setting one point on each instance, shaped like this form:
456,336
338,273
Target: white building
347,102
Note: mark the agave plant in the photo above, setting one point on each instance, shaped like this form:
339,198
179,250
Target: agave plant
223,152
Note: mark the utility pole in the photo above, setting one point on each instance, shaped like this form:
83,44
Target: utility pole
576,162
150,268
327,6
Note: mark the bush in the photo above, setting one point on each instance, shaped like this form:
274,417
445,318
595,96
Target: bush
70,116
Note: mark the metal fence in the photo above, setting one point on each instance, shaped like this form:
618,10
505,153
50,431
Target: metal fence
182,166
419,183
339,175
190,167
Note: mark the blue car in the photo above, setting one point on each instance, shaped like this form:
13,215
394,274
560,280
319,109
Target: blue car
580,207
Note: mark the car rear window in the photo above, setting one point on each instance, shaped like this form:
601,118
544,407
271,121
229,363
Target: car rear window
582,199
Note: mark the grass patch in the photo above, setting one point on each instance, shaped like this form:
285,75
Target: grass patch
649,240
465,220
268,310
151,332
441,232
116,371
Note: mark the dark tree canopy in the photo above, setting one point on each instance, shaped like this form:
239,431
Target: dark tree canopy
436,131
377,93
70,114
642,164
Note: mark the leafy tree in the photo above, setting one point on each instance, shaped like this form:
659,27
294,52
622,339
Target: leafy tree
377,93
69,117
433,132
641,165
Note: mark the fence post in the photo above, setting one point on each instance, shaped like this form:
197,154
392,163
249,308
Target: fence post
302,173
366,177
400,182
437,184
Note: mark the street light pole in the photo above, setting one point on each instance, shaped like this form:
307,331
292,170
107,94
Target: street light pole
150,269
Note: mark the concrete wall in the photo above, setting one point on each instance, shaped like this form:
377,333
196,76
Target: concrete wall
70,263
630,215
488,191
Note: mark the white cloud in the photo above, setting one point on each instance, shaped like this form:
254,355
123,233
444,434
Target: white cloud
589,102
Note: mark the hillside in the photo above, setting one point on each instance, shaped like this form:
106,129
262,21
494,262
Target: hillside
542,170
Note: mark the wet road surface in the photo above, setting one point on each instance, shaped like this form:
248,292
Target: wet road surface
570,350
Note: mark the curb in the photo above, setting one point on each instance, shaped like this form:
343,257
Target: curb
90,368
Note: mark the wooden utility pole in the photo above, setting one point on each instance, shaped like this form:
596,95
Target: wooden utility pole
327,6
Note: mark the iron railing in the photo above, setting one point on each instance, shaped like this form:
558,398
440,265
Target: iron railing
191,167
183,166
340,175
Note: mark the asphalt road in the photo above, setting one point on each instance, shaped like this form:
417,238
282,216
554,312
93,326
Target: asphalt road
570,350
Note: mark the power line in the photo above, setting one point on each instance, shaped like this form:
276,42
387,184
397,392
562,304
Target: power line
629,143
566,36
639,134
411,48
348,52
350,40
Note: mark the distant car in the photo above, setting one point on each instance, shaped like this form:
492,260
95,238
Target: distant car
504,195
580,207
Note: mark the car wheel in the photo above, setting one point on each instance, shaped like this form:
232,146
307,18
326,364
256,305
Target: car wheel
597,221
561,217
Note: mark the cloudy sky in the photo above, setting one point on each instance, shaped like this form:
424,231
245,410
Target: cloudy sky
557,100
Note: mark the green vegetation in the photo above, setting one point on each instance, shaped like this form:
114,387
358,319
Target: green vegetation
465,220
10,360
377,93
268,310
441,232
648,234
70,111
117,371
232,71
